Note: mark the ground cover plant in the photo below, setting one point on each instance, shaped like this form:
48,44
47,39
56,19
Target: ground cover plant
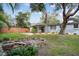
58,45
23,51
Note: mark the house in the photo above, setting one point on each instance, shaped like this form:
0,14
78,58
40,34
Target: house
71,27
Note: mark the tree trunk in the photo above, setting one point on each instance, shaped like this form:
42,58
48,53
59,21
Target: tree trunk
63,25
45,13
66,17
45,21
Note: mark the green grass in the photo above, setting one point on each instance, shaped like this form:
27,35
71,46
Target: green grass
11,36
59,45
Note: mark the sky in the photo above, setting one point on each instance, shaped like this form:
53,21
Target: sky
35,16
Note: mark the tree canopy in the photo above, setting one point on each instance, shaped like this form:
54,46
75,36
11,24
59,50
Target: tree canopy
51,19
22,19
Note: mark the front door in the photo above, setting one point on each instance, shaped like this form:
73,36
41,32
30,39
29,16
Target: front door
42,29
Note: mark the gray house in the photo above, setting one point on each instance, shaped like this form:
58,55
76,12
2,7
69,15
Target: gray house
71,27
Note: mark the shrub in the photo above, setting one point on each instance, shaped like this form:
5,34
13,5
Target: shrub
34,30
23,51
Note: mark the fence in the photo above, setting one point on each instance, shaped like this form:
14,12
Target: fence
14,30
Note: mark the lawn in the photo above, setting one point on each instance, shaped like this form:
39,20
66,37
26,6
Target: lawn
11,36
58,45
61,44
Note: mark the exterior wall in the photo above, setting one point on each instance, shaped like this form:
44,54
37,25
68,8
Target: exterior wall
47,29
69,29
38,29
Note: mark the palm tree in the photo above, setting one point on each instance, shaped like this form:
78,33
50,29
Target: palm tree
68,10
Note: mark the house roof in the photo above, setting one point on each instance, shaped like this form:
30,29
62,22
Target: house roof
69,23
74,19
54,24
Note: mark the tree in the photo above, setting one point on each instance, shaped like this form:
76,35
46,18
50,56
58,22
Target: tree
35,7
2,24
68,10
22,19
3,16
4,19
51,19
39,7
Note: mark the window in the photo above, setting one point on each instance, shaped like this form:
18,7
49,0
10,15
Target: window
75,25
52,27
60,26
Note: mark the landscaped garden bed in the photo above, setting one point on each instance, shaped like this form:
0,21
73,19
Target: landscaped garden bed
47,44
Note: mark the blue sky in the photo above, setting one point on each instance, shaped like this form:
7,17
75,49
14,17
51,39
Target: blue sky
35,17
